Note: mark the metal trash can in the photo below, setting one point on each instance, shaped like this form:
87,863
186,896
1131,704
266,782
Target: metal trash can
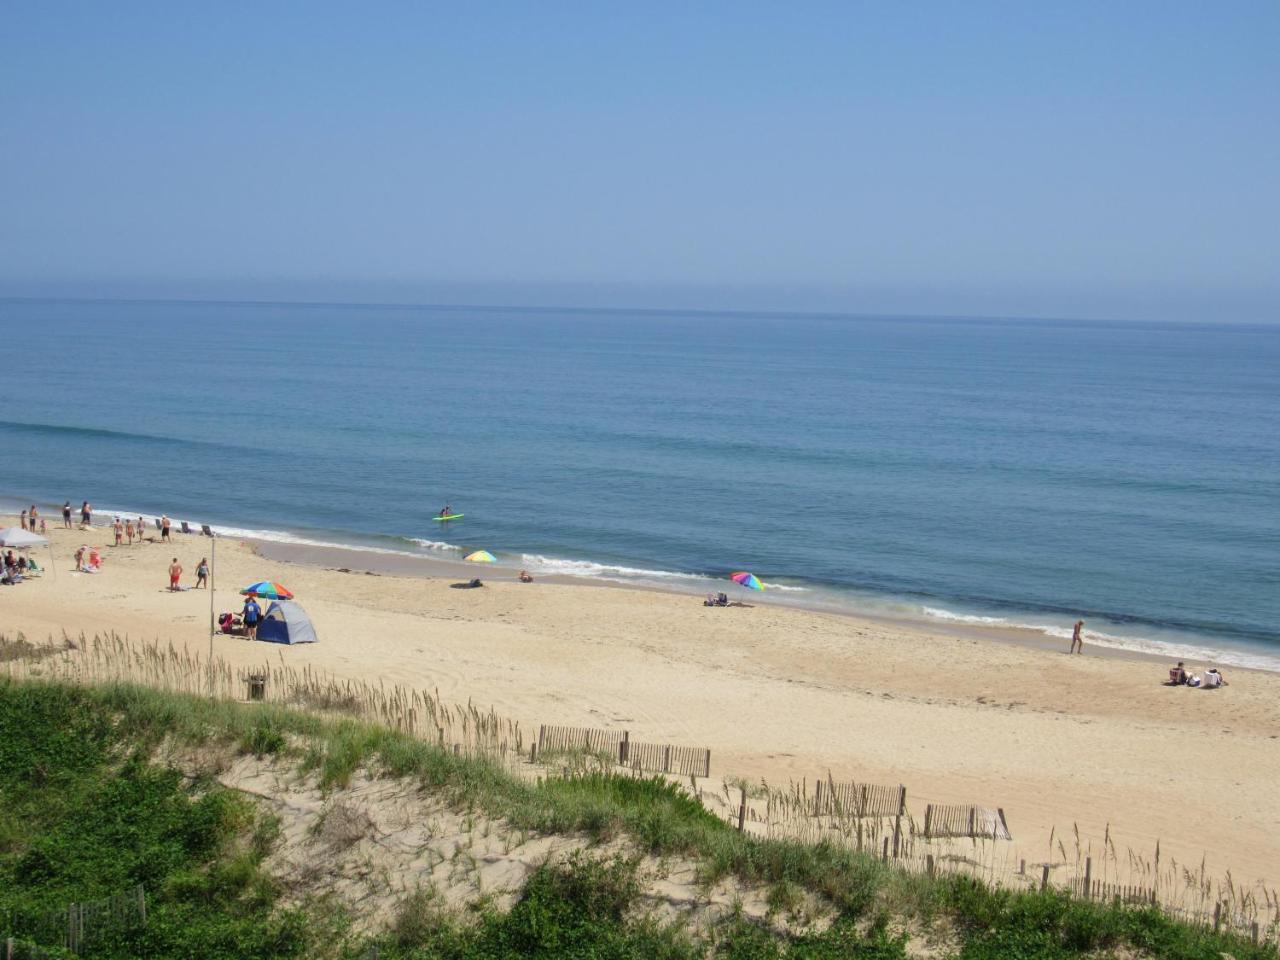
257,686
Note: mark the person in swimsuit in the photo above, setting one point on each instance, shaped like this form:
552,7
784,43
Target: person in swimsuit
66,514
32,516
23,520
86,515
128,531
141,528
446,510
118,527
202,573
1077,638
164,529
175,574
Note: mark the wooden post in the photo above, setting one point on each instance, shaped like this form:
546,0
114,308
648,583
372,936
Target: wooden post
884,855
742,811
897,835
1044,877
457,749
1088,878
1022,868
624,748
928,863
1217,915
666,759
928,818
533,752
817,799
902,800
862,801
1254,933
972,813
542,732
706,766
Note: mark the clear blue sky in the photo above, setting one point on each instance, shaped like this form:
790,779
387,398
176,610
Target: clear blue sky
1088,159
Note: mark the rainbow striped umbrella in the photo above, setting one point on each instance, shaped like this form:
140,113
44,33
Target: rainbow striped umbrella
481,556
268,590
747,580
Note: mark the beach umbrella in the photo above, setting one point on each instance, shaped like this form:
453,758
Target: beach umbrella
481,556
748,580
21,539
267,590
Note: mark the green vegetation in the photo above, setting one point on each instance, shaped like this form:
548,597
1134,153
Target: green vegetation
85,813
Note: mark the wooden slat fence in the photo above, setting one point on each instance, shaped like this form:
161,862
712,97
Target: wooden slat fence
949,820
664,758
858,799
81,923
655,757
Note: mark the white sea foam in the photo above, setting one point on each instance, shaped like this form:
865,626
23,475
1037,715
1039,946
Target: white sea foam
436,545
1177,649
555,566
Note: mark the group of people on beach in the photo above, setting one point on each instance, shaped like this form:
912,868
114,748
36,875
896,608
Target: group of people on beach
32,522
15,569
175,575
1179,677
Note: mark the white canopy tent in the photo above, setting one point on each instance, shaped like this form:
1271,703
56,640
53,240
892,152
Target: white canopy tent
18,539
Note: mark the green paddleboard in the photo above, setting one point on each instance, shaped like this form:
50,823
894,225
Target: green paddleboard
452,516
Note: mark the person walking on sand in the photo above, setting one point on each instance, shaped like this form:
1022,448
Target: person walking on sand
118,528
141,529
164,529
202,573
175,574
66,514
128,531
251,614
1077,638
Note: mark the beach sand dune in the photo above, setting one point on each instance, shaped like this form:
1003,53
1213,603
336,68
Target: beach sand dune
774,692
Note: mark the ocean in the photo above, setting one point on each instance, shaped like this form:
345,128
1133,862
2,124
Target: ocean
996,472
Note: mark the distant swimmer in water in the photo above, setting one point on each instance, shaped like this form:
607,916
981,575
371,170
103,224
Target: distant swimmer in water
1077,638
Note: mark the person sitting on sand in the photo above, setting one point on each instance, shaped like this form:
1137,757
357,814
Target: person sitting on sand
1177,675
1213,679
525,577
95,560
251,614
175,574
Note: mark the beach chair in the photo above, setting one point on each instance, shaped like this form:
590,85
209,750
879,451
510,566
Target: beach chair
185,527
204,528
159,525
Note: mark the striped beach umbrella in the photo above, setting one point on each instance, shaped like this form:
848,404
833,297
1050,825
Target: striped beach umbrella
481,556
748,580
268,590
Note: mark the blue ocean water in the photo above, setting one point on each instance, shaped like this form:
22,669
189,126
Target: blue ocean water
998,471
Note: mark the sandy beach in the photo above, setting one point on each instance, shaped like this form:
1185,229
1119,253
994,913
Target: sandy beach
774,692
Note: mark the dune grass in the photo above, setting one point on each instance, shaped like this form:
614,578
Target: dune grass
84,812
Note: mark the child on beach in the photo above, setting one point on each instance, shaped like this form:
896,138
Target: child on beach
175,574
202,573
44,527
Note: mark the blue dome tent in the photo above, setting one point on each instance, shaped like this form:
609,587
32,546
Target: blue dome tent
286,622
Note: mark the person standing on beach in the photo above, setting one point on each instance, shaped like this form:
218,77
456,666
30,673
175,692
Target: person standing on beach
32,516
1077,638
164,529
251,614
141,528
202,573
66,514
175,574
128,531
23,519
118,528
86,515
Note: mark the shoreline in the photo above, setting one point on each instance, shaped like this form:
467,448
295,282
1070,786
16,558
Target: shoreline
431,568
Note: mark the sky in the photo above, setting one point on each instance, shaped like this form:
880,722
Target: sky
1079,159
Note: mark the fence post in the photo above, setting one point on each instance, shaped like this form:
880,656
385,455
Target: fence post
972,816
928,864
1088,878
624,748
897,835
1022,868
742,810
542,732
862,801
884,855
1217,915
1254,933
706,766
533,752
1044,877
902,799
666,759
928,818
817,799
142,903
